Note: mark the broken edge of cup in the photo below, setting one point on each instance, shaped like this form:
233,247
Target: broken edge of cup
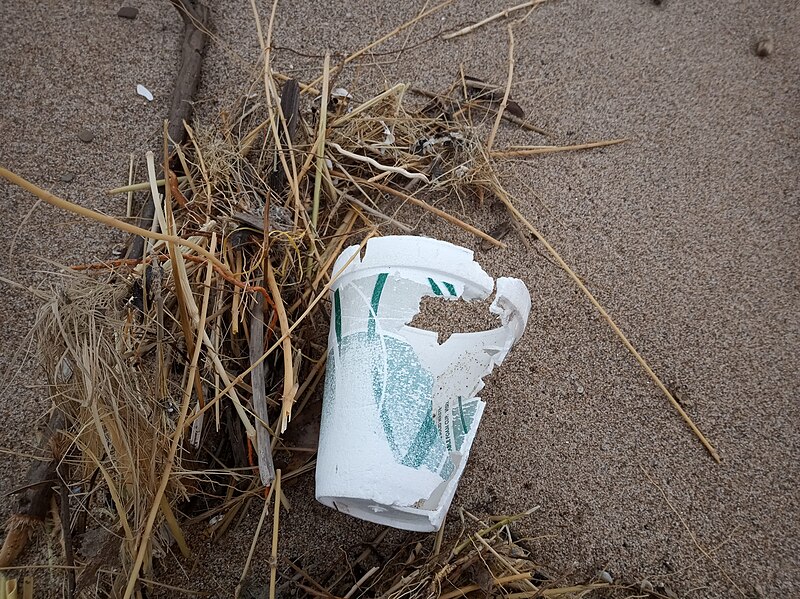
400,410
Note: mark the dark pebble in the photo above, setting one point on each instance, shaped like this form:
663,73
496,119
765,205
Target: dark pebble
128,12
765,47
85,135
67,177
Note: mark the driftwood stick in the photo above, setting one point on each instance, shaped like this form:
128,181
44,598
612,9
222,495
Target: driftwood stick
195,34
263,441
34,500
69,556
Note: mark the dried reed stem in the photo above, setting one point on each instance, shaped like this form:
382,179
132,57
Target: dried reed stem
320,145
273,561
506,93
144,539
289,386
388,36
432,209
494,17
524,152
157,200
174,527
141,186
110,221
557,257
253,543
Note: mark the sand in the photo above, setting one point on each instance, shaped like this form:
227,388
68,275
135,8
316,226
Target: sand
687,233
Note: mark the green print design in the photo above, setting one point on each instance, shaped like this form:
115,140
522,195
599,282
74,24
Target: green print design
401,388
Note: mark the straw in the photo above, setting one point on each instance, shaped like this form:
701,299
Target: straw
499,15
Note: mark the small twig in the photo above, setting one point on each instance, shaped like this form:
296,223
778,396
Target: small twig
263,441
381,167
494,17
246,568
289,386
195,17
177,436
273,562
303,574
110,221
524,152
689,530
422,204
557,257
320,145
69,557
506,94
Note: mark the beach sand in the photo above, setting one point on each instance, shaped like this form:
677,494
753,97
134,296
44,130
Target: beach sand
687,233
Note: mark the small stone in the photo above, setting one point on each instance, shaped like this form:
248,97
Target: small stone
580,389
646,586
128,12
85,135
605,576
765,47
67,177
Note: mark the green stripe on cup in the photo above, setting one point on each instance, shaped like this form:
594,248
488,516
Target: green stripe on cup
434,286
376,300
450,288
461,415
337,315
424,444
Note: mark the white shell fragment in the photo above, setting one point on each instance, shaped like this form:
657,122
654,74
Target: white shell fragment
144,92
400,410
388,136
340,92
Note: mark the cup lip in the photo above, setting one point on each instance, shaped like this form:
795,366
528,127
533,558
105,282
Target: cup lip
406,518
412,253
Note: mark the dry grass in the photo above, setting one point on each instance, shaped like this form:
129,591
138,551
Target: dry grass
179,372
484,558
152,360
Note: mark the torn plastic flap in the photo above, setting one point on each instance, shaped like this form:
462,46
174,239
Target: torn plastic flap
400,410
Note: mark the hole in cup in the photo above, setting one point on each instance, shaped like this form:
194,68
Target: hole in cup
446,317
